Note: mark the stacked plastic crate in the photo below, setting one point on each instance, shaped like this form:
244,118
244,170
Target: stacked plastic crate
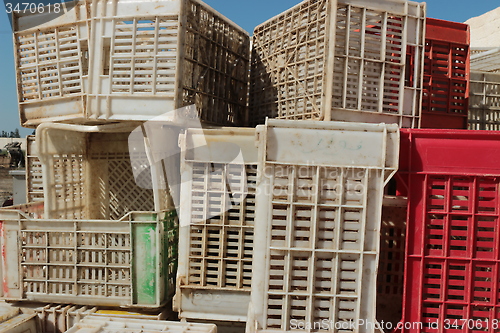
90,74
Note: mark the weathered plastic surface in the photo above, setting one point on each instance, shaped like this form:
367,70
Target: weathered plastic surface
484,103
129,262
346,60
130,60
21,323
486,61
318,222
217,216
88,173
446,75
391,261
98,324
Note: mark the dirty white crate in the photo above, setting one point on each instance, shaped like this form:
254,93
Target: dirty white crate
128,262
34,182
319,203
59,318
486,61
217,215
484,101
98,324
347,60
391,260
88,173
130,60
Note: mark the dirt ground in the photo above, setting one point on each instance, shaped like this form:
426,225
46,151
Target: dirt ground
5,180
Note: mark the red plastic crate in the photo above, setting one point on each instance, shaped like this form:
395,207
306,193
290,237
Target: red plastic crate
452,266
446,75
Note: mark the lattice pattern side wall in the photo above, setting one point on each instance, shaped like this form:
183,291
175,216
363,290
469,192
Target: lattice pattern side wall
49,63
215,67
288,64
446,81
319,259
69,185
221,247
34,183
117,192
143,56
96,263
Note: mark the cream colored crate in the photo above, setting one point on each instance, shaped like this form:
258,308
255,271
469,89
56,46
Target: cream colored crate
318,222
348,60
130,60
484,101
217,216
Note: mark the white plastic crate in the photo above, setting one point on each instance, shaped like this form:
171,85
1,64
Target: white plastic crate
130,60
129,262
98,324
318,222
486,61
391,260
59,318
347,60
34,182
217,215
484,101
88,173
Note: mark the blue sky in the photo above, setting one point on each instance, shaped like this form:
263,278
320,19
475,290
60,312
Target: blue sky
246,13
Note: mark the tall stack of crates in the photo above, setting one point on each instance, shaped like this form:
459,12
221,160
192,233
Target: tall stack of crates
104,229
446,75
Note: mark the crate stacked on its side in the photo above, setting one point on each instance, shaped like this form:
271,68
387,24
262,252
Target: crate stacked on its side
452,254
340,60
217,220
484,105
318,221
446,75
129,60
